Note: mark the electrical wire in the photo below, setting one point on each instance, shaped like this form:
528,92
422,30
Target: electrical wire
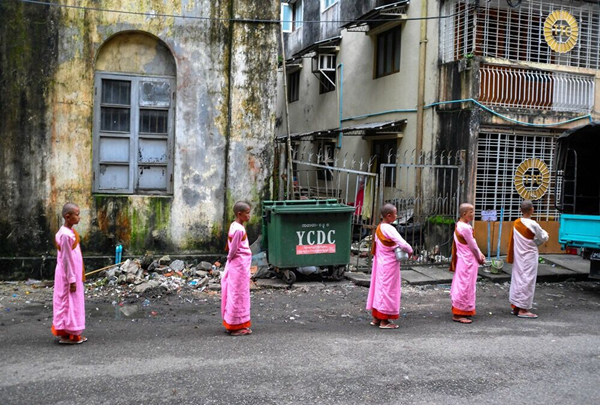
243,20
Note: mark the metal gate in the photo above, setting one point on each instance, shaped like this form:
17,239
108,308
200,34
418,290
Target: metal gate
351,180
425,189
426,192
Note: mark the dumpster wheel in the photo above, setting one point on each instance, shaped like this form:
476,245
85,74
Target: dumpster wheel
289,277
337,273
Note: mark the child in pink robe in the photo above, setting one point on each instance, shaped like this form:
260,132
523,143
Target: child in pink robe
68,308
466,258
523,253
235,284
384,292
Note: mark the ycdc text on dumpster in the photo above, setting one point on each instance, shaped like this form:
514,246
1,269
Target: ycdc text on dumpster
315,242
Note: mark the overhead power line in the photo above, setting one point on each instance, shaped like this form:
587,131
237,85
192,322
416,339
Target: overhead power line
242,20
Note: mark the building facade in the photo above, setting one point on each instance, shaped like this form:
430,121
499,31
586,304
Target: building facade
493,82
154,117
530,70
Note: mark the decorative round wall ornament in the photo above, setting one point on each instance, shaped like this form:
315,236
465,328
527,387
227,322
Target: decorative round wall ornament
532,179
561,31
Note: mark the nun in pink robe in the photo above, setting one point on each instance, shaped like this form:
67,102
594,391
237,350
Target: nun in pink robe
235,283
466,256
523,253
385,289
68,307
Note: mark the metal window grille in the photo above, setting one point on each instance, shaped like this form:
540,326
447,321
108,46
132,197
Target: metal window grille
505,86
498,156
494,29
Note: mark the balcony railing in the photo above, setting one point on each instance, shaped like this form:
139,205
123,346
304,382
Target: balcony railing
509,87
555,32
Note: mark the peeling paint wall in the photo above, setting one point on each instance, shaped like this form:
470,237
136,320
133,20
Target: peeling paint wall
224,120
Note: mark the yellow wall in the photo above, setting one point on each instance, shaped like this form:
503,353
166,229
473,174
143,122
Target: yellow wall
552,246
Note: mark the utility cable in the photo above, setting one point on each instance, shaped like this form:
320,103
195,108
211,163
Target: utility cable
242,20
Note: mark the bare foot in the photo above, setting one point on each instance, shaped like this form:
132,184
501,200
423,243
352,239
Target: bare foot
523,313
461,319
241,332
387,325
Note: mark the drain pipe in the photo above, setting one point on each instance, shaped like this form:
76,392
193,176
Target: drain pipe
421,92
340,66
288,143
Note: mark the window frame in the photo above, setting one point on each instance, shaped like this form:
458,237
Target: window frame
396,51
325,86
293,84
134,135
298,15
285,22
325,7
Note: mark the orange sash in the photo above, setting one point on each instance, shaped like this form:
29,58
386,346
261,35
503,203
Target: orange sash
73,248
463,241
524,231
383,239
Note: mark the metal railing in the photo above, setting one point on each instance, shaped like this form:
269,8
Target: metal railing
557,32
351,180
427,210
510,87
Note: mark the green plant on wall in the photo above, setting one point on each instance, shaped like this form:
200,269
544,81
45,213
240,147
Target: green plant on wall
441,220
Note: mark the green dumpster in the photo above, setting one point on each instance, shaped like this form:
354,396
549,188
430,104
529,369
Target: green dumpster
302,233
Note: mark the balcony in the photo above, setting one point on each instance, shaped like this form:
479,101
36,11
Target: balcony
502,86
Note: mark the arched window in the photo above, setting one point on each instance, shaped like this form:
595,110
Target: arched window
134,113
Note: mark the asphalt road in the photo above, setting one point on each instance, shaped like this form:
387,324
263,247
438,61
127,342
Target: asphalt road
310,345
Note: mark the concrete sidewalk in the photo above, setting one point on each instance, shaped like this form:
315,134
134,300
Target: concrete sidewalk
554,268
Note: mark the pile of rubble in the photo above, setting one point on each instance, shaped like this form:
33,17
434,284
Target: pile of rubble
156,277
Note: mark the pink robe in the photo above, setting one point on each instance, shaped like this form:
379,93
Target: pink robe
385,288
464,282
235,283
525,264
68,308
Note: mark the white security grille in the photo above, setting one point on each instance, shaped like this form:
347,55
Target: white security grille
498,156
535,89
523,33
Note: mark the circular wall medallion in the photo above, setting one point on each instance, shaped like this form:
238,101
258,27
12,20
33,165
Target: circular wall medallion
561,31
532,179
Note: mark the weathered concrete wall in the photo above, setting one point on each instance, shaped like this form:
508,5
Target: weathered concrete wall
28,36
223,122
253,96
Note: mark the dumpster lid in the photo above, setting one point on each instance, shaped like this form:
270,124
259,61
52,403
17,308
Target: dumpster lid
307,206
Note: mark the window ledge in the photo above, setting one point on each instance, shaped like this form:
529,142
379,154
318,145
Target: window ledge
121,195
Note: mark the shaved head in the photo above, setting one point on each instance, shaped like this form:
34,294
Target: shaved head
387,209
241,206
464,208
69,208
526,206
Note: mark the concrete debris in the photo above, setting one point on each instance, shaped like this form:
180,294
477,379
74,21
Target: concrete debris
177,265
131,280
146,261
206,266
